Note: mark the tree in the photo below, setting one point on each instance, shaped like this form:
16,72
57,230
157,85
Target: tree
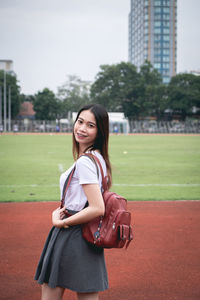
46,105
121,87
73,94
112,84
26,98
144,98
132,104
196,92
184,94
11,81
152,92
161,102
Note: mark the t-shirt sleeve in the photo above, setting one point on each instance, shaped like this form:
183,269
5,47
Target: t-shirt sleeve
86,171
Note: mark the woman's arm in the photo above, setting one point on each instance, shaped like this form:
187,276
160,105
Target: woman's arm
95,208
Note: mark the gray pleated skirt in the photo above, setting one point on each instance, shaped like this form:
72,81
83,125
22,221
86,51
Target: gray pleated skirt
68,261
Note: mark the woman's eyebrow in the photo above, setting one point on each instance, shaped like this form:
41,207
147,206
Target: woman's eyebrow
86,121
91,122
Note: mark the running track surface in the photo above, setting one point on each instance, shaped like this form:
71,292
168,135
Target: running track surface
162,263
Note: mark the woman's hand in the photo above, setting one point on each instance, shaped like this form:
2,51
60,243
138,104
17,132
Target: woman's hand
57,218
95,209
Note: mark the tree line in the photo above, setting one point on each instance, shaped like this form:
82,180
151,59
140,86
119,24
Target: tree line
119,88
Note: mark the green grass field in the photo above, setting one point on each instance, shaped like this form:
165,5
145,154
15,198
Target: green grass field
149,167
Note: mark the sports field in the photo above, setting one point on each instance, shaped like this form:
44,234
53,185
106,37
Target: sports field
162,262
145,167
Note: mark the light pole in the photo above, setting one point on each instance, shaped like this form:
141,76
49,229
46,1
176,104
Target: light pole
4,100
9,108
0,105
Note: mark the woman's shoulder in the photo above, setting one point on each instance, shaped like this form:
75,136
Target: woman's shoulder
101,159
86,161
98,155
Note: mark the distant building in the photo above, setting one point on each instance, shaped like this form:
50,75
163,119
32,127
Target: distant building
195,72
118,123
26,111
152,35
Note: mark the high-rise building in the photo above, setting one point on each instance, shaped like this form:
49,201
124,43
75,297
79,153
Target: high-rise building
152,35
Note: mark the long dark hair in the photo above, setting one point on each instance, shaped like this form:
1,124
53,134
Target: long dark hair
102,138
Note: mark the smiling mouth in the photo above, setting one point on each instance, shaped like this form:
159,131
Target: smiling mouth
81,135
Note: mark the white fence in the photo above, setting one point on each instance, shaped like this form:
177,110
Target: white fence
38,126
191,126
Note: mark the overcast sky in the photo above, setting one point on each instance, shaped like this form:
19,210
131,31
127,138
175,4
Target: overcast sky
48,40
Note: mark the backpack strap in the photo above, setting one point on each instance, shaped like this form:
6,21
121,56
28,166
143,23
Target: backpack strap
95,159
66,186
130,236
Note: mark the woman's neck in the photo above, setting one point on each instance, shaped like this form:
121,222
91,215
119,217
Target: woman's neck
83,150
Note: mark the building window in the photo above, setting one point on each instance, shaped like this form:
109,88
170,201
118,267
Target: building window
165,71
166,10
166,30
166,58
157,24
157,2
165,65
146,10
157,16
157,58
165,51
166,23
166,44
165,37
157,30
166,79
166,2
157,37
157,44
157,51
165,16
157,65
158,10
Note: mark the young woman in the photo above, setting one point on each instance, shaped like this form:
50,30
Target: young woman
68,261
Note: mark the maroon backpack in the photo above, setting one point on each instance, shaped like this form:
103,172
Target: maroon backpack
113,230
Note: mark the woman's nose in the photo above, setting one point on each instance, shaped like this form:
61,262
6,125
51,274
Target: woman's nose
82,127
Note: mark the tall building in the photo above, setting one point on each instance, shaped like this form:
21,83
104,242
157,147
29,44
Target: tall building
152,35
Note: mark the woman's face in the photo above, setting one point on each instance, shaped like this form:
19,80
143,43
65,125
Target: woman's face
85,129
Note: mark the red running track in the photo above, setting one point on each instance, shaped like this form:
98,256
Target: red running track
163,262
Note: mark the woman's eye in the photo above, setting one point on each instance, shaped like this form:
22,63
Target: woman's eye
80,121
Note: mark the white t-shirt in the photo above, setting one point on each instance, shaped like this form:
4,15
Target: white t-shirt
85,173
